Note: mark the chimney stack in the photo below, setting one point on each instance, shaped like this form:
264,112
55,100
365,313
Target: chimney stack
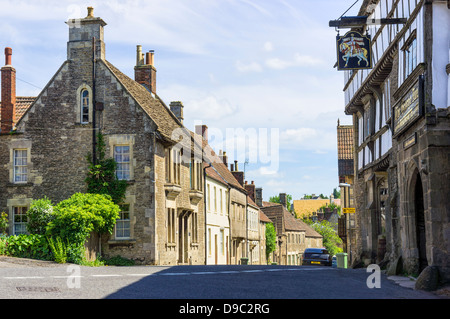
177,109
145,71
250,188
239,176
202,130
258,197
283,200
8,94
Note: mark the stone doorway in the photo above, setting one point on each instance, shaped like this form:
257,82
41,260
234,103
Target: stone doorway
420,223
183,237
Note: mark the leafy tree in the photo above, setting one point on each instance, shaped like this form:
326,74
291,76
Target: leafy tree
331,240
271,239
78,216
336,193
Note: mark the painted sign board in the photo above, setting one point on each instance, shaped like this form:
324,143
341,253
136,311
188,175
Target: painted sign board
349,210
409,108
354,51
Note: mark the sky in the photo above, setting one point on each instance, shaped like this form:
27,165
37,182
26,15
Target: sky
259,73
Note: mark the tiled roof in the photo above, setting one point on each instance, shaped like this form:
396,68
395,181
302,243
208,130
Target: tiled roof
309,232
345,142
22,105
153,106
345,150
263,217
277,212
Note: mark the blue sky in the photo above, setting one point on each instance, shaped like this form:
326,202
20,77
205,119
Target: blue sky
250,65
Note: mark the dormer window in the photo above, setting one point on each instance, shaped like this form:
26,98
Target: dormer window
84,107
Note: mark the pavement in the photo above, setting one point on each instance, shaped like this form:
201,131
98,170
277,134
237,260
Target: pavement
12,262
410,282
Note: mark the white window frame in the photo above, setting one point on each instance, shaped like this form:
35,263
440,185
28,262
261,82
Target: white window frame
123,160
22,167
124,222
22,224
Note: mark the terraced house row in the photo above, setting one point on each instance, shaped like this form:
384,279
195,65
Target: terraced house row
183,205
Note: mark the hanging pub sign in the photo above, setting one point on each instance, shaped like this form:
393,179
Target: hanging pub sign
354,51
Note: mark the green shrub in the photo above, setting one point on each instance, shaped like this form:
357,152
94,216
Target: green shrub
39,215
33,246
3,222
75,218
59,249
3,244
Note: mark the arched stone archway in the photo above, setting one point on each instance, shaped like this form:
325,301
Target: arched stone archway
417,221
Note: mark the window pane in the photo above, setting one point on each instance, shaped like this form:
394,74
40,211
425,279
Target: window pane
122,158
20,165
85,106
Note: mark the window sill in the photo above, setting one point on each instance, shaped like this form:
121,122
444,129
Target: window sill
28,184
122,241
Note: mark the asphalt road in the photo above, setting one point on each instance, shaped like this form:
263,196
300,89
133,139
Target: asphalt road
53,281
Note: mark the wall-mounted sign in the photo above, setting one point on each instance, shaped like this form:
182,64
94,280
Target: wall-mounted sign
354,51
349,210
409,108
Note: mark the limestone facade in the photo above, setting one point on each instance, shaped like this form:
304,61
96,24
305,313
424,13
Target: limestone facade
163,217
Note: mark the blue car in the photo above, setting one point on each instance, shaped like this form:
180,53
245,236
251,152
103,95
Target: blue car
316,256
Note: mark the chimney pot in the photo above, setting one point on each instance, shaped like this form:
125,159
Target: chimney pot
144,71
90,12
236,166
8,54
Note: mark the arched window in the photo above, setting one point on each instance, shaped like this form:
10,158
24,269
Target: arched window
84,107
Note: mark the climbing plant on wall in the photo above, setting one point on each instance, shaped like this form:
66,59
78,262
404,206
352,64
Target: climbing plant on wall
101,177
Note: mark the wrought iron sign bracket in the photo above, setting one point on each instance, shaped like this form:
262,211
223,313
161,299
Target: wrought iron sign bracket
360,21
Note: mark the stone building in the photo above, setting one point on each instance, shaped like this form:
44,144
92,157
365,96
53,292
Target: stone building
293,235
43,150
347,222
401,121
219,181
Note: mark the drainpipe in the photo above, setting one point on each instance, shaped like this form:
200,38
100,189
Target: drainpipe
230,247
246,228
94,138
206,213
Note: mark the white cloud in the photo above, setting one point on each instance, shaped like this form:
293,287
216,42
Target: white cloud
251,67
210,108
268,46
297,61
